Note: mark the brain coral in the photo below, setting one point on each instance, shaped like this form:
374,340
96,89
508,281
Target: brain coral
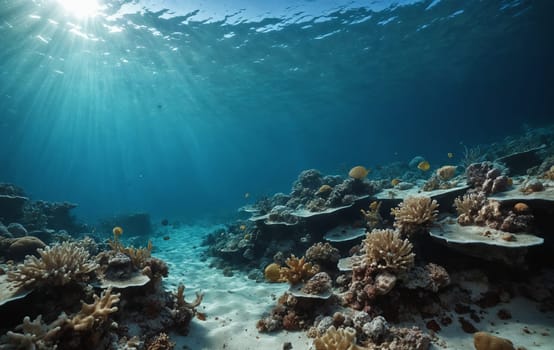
385,250
414,214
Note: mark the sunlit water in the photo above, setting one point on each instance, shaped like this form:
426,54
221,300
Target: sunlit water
178,108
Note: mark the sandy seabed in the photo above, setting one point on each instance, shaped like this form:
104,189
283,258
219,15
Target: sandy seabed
234,304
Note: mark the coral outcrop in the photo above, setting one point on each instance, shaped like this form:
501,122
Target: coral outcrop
414,214
337,339
385,250
58,265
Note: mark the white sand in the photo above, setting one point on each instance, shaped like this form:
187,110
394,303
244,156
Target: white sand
234,304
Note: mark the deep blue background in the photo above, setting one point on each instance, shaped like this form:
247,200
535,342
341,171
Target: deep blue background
180,118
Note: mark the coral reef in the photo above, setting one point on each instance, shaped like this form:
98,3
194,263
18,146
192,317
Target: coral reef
468,207
372,216
487,178
160,342
414,214
385,250
333,339
95,313
183,312
323,254
297,270
57,265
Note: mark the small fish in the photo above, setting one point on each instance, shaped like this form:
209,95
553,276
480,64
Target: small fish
450,155
424,166
166,238
242,227
394,182
247,195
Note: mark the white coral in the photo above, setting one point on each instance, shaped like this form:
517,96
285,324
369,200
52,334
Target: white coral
414,214
57,265
386,250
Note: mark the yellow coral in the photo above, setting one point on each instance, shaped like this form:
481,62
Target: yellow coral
272,273
96,312
414,214
333,339
358,172
385,250
298,270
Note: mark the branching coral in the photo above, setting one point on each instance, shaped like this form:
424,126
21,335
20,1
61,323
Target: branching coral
372,216
414,214
298,270
95,313
341,339
57,265
183,312
385,250
468,207
35,334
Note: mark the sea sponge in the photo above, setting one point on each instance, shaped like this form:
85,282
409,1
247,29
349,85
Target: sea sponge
341,339
96,312
272,273
446,172
487,341
414,214
298,270
57,265
358,172
385,250
521,208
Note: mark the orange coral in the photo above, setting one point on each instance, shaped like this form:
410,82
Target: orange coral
298,270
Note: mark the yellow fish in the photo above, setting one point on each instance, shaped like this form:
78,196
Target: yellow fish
424,166
394,182
450,155
242,227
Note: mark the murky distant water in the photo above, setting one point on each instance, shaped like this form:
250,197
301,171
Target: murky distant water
181,109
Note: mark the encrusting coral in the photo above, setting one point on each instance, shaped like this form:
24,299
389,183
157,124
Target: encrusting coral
57,265
337,339
414,214
386,250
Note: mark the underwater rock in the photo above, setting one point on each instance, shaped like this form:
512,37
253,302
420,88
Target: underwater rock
377,329
11,207
487,341
17,230
24,246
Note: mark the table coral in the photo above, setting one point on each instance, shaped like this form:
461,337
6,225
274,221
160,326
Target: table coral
414,214
57,265
386,250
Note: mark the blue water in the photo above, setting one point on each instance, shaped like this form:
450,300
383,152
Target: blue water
180,109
